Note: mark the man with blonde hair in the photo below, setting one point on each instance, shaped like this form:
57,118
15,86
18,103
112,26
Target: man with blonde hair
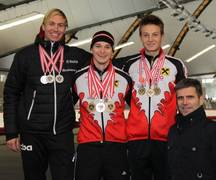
38,104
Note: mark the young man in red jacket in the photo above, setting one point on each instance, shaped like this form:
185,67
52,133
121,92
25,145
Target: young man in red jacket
153,101
102,90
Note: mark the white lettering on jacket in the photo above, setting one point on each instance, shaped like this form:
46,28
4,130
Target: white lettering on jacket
26,147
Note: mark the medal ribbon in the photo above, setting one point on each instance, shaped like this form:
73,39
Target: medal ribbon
48,63
96,86
151,74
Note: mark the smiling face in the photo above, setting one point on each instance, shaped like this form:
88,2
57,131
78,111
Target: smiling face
151,38
54,27
102,54
188,100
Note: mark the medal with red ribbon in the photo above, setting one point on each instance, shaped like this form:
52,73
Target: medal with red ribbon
152,75
104,86
50,64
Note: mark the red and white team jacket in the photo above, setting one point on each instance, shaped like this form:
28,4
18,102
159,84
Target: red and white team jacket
150,117
109,125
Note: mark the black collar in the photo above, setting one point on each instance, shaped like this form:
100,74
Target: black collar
98,70
48,44
150,58
191,119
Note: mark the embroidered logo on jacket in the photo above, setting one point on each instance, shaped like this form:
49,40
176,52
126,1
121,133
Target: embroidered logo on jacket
165,71
116,83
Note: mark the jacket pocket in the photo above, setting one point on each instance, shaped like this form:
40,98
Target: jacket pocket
32,105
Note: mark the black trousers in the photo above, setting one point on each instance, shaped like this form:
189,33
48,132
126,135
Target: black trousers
39,151
148,160
106,160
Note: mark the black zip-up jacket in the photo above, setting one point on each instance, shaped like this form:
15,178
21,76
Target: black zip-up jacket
192,147
33,107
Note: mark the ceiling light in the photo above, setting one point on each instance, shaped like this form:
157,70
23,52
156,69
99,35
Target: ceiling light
200,53
124,45
166,46
198,28
213,35
176,13
183,16
81,42
192,23
208,80
20,20
86,41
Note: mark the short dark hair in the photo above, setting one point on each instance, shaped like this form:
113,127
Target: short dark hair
189,82
151,19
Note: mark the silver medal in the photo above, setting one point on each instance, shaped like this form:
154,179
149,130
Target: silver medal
43,79
100,106
50,78
59,78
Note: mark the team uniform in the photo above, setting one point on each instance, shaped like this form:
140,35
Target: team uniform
102,135
38,105
153,110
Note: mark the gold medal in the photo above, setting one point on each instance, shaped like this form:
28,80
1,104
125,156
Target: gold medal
91,107
157,91
150,92
141,90
110,106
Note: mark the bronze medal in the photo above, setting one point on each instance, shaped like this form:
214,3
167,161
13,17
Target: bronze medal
91,107
141,90
150,92
59,78
157,91
110,106
50,78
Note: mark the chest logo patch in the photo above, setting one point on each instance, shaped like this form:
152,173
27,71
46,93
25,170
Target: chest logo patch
116,83
165,71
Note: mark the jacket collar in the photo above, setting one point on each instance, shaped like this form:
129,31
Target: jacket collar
48,44
191,119
151,58
99,71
